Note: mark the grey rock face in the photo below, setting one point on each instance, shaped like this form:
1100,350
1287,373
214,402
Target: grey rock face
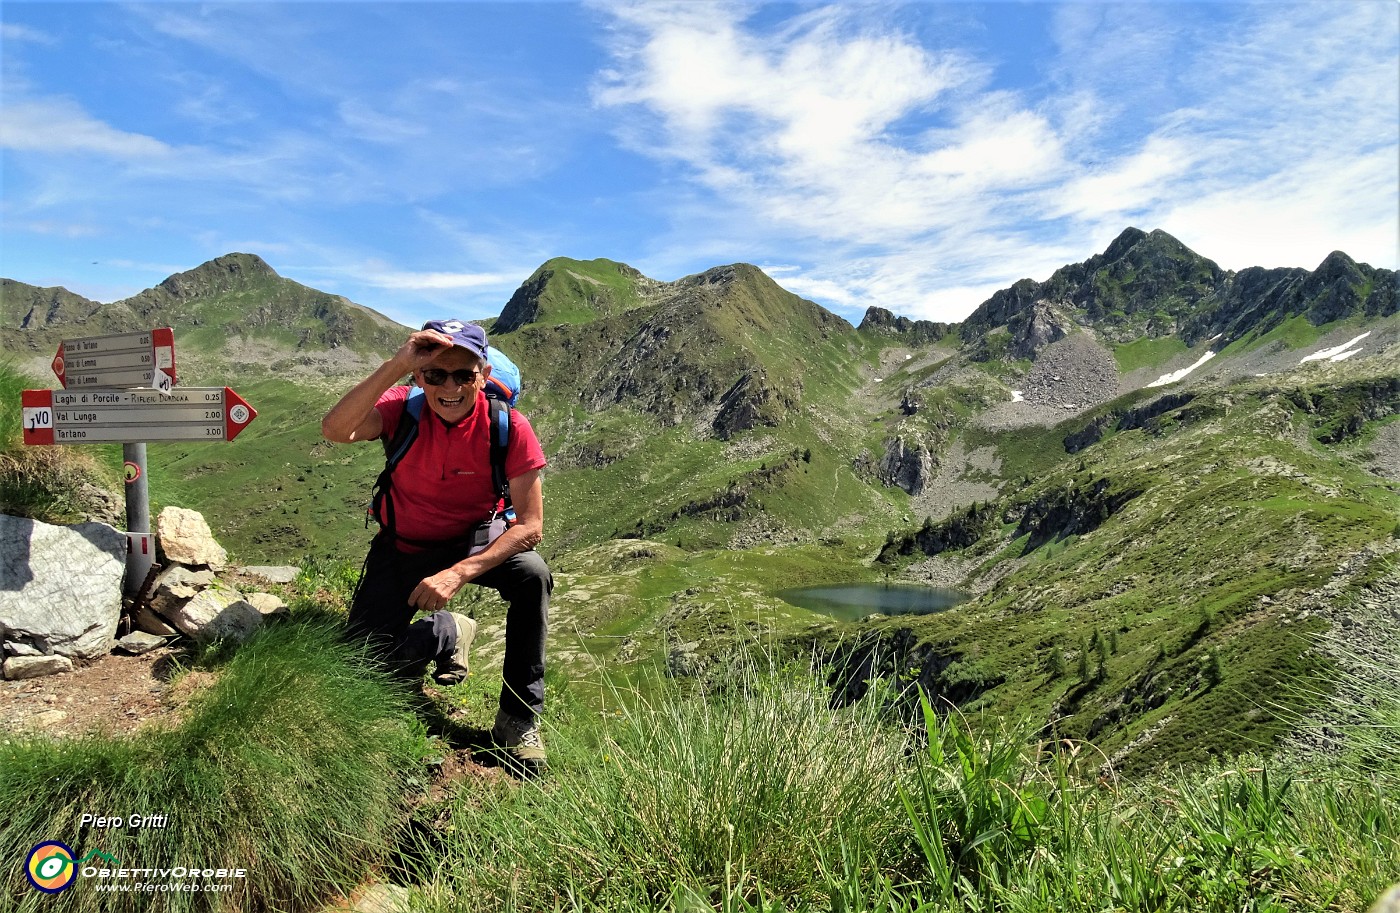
750,402
1033,330
61,586
185,538
909,467
19,667
216,614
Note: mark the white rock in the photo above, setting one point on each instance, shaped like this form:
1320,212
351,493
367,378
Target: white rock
60,586
185,538
18,667
267,604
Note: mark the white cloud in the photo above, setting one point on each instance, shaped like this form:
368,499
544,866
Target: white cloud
13,31
1125,189
59,125
57,227
1256,138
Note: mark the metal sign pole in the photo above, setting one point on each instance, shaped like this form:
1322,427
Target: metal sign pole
140,545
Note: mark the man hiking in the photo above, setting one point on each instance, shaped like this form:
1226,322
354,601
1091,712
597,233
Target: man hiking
460,501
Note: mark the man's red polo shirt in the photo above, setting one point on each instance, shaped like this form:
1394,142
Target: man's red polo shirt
442,487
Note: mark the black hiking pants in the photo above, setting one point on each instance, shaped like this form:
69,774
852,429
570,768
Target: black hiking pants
380,614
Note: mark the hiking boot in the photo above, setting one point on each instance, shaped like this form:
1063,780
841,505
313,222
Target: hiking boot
522,746
454,669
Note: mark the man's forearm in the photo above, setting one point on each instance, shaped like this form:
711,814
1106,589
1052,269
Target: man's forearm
517,539
354,407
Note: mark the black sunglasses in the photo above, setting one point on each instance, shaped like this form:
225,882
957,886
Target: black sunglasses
436,377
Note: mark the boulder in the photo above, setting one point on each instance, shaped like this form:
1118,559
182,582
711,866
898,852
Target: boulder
1389,902
138,642
176,586
267,604
60,586
265,575
18,667
217,614
185,538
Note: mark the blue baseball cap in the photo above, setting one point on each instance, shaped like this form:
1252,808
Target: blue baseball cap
467,335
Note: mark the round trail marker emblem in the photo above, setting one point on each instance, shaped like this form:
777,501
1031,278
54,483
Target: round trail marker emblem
239,413
133,472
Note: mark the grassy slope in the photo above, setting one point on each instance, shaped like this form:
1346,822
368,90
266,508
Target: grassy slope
292,765
806,516
1237,516
580,291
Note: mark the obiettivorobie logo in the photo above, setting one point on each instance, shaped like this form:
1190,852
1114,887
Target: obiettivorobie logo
50,866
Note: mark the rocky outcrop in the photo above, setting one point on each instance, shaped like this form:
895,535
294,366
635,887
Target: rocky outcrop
959,531
1033,330
60,588
192,600
1071,511
881,322
749,403
1144,416
909,465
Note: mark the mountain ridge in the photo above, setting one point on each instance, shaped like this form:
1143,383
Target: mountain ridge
716,438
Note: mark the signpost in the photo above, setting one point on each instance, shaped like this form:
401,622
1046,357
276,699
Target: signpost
121,388
105,415
124,360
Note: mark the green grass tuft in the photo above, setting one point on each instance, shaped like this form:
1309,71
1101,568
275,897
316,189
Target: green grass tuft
292,765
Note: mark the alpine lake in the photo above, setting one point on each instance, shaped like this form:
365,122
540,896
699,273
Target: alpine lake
853,601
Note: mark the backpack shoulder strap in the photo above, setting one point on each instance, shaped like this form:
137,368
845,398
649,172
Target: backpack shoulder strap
407,431
500,444
381,501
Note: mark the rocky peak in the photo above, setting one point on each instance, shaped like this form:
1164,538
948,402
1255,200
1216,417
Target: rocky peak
1126,241
1143,283
1034,329
563,290
881,321
218,275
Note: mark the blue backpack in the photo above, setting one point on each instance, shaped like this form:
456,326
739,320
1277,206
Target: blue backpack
502,391
504,382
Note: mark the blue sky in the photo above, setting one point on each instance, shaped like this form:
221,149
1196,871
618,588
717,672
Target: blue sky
424,158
